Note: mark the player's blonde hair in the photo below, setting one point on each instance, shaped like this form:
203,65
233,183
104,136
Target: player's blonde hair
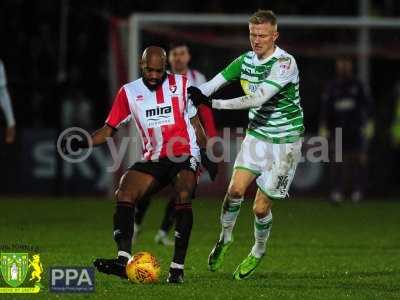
263,16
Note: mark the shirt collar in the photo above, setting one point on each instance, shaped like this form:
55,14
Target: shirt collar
276,53
153,88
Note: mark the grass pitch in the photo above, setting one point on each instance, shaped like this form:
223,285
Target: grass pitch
315,251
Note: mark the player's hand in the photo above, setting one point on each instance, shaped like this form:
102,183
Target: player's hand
10,135
209,165
197,96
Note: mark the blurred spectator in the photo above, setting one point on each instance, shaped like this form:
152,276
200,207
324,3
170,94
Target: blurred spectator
179,59
346,105
6,107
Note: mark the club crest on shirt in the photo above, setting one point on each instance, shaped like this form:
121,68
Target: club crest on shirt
253,87
284,64
172,88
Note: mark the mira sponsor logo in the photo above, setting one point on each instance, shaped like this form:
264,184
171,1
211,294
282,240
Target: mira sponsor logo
159,111
160,115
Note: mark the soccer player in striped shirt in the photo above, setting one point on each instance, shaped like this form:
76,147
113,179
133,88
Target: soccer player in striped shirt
271,149
170,134
179,58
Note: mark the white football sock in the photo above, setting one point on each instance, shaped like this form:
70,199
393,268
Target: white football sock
124,254
176,266
228,218
262,228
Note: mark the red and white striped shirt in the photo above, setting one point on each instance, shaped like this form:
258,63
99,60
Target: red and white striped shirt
162,117
205,113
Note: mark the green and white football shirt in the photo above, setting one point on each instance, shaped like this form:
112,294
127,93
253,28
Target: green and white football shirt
280,119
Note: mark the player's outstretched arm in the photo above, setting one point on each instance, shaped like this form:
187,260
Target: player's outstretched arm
201,94
99,137
119,114
262,95
282,72
210,87
230,73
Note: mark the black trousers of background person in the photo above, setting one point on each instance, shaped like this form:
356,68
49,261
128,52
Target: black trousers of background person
351,174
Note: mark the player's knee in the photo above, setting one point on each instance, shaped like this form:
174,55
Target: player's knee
235,192
260,211
262,208
126,196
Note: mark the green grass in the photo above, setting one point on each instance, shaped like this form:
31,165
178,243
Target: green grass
315,251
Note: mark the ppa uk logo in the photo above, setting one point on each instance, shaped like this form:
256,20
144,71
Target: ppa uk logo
72,279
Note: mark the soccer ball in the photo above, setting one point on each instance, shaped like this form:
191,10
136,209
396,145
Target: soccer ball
143,267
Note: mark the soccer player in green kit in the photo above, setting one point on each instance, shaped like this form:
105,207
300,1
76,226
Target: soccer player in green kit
271,149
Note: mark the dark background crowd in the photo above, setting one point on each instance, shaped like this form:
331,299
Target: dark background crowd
44,83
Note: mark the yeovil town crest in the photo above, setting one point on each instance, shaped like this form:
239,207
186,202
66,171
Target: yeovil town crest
14,270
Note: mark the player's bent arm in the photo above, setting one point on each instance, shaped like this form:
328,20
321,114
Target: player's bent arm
264,92
100,136
119,114
199,130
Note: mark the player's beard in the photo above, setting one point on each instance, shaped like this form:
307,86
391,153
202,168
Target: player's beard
154,86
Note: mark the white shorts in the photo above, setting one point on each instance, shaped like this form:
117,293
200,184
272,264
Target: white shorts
273,164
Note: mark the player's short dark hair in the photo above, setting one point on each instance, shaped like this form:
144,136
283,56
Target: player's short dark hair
176,44
263,16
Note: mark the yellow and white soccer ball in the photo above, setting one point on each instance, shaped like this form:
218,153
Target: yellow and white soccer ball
143,267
